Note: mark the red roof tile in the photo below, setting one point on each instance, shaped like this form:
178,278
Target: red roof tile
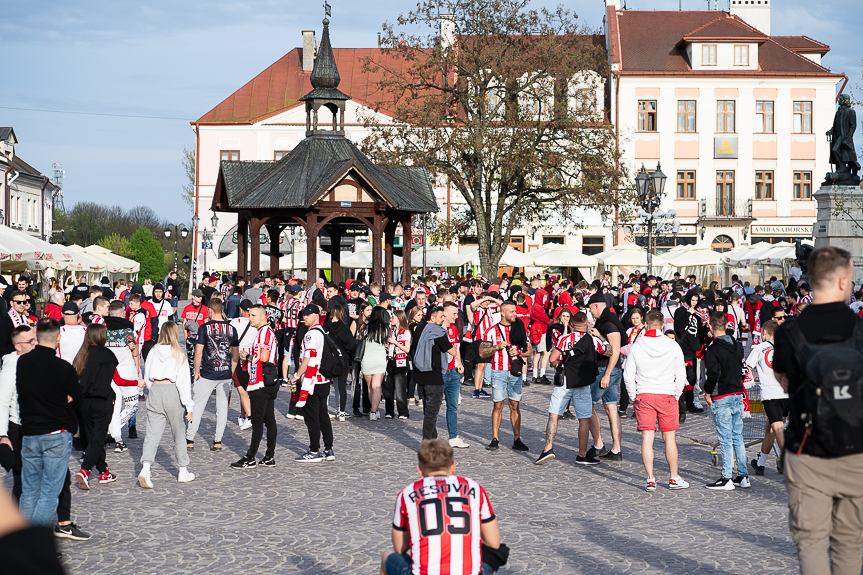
650,43
802,44
725,27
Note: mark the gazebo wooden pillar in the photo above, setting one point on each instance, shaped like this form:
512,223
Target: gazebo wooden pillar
310,224
336,251
407,236
255,257
242,245
389,240
274,230
377,232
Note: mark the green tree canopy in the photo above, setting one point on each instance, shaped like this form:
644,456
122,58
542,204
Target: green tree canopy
147,251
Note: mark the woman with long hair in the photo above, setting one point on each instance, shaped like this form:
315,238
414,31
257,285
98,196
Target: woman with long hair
360,393
635,319
338,331
539,326
166,374
374,362
415,317
398,366
95,365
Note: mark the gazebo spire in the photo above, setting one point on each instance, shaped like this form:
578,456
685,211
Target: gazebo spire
325,93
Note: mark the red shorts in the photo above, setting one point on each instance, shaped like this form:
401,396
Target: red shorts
650,406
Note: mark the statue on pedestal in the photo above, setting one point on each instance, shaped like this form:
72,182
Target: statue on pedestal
842,153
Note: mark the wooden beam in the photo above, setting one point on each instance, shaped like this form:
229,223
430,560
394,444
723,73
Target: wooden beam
406,252
336,249
389,240
377,232
311,249
255,256
274,231
242,246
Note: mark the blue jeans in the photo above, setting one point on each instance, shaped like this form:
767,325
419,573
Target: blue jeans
45,461
610,394
174,302
451,384
728,418
402,565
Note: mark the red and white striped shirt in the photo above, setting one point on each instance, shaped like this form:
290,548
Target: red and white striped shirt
567,342
454,336
483,320
266,339
443,517
633,333
291,308
501,359
807,299
97,319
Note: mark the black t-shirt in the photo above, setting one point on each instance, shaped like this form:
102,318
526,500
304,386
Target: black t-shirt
435,376
354,306
208,293
606,324
217,337
817,322
274,316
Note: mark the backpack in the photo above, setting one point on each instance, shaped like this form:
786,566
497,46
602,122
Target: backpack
333,361
832,377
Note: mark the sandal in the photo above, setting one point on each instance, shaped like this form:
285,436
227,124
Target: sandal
217,446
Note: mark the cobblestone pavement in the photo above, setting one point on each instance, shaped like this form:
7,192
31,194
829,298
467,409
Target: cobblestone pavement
334,517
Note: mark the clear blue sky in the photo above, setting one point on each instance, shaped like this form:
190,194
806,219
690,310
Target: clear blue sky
179,59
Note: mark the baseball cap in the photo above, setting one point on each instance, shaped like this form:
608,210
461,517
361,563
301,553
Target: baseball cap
246,305
385,296
197,293
258,281
310,309
597,298
70,308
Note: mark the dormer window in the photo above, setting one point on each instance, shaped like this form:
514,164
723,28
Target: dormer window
741,55
585,101
708,55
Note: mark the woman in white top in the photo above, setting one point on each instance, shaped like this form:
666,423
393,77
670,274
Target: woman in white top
148,287
374,362
398,366
167,377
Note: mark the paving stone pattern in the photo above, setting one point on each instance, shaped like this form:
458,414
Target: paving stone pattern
334,517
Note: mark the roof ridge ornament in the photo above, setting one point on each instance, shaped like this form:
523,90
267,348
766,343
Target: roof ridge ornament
325,74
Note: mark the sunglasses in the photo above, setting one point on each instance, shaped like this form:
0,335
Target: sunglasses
779,316
20,301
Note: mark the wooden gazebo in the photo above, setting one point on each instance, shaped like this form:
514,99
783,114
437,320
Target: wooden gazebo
325,181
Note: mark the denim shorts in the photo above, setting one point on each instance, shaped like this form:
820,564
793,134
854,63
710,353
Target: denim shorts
581,401
402,564
610,394
504,385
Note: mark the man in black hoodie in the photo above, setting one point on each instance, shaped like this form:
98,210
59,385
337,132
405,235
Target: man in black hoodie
690,331
48,392
723,390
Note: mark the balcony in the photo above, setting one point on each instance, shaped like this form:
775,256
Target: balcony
717,209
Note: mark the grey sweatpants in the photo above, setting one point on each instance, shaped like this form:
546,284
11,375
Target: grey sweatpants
201,393
163,406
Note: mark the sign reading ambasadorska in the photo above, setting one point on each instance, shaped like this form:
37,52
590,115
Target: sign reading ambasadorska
725,146
799,231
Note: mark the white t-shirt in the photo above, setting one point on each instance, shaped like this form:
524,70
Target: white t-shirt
855,307
247,342
71,339
313,348
761,360
163,311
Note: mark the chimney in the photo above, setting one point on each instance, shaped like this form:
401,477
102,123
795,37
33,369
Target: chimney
612,4
756,13
308,50
447,31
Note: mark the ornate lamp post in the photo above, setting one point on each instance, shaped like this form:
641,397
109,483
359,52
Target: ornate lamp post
650,187
179,231
206,236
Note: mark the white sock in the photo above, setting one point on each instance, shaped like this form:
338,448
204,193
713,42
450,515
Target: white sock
535,372
762,459
145,467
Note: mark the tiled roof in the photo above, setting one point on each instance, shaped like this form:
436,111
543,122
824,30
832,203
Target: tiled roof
650,42
6,132
725,28
802,44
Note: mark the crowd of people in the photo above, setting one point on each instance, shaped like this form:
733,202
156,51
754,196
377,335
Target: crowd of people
72,379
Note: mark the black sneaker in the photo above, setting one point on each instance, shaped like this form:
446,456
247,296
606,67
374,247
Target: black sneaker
694,409
544,456
741,481
593,453
268,462
358,413
721,484
245,463
612,456
759,469
621,413
71,531
121,447
133,432
494,445
543,380
587,460
682,418
329,455
567,414
519,445
526,383
780,464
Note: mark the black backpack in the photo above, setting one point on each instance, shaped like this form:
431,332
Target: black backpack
333,361
833,390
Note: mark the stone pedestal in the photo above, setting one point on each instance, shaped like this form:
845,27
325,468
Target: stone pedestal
839,222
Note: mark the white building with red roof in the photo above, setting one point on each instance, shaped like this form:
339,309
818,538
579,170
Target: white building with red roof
735,117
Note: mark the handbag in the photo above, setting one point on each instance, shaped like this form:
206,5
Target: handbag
270,373
359,350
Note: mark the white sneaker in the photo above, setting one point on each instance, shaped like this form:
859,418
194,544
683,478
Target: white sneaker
742,482
374,416
144,480
247,424
677,483
289,415
458,442
185,476
332,416
240,421
342,416
459,399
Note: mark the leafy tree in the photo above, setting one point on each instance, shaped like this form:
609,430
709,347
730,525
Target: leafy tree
188,193
147,251
117,244
507,107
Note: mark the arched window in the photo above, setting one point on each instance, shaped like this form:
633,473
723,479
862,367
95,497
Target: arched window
722,244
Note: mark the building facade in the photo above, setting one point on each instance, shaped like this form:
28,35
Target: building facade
735,117
26,196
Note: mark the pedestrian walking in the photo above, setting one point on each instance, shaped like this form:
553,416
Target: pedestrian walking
341,335
374,361
398,366
432,345
167,378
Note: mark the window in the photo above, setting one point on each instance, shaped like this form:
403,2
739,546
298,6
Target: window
741,55
647,115
492,100
722,244
803,117
384,157
585,101
764,117
279,154
708,55
552,176
725,116
764,185
686,185
592,245
552,240
686,115
517,243
802,185
230,155
468,241
724,193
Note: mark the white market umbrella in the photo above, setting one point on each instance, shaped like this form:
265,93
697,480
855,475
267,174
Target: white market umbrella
114,262
779,254
439,258
324,261
693,256
628,255
756,252
18,246
510,258
559,255
229,263
362,259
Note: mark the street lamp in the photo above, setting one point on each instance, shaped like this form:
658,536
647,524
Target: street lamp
207,236
423,222
179,231
650,187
